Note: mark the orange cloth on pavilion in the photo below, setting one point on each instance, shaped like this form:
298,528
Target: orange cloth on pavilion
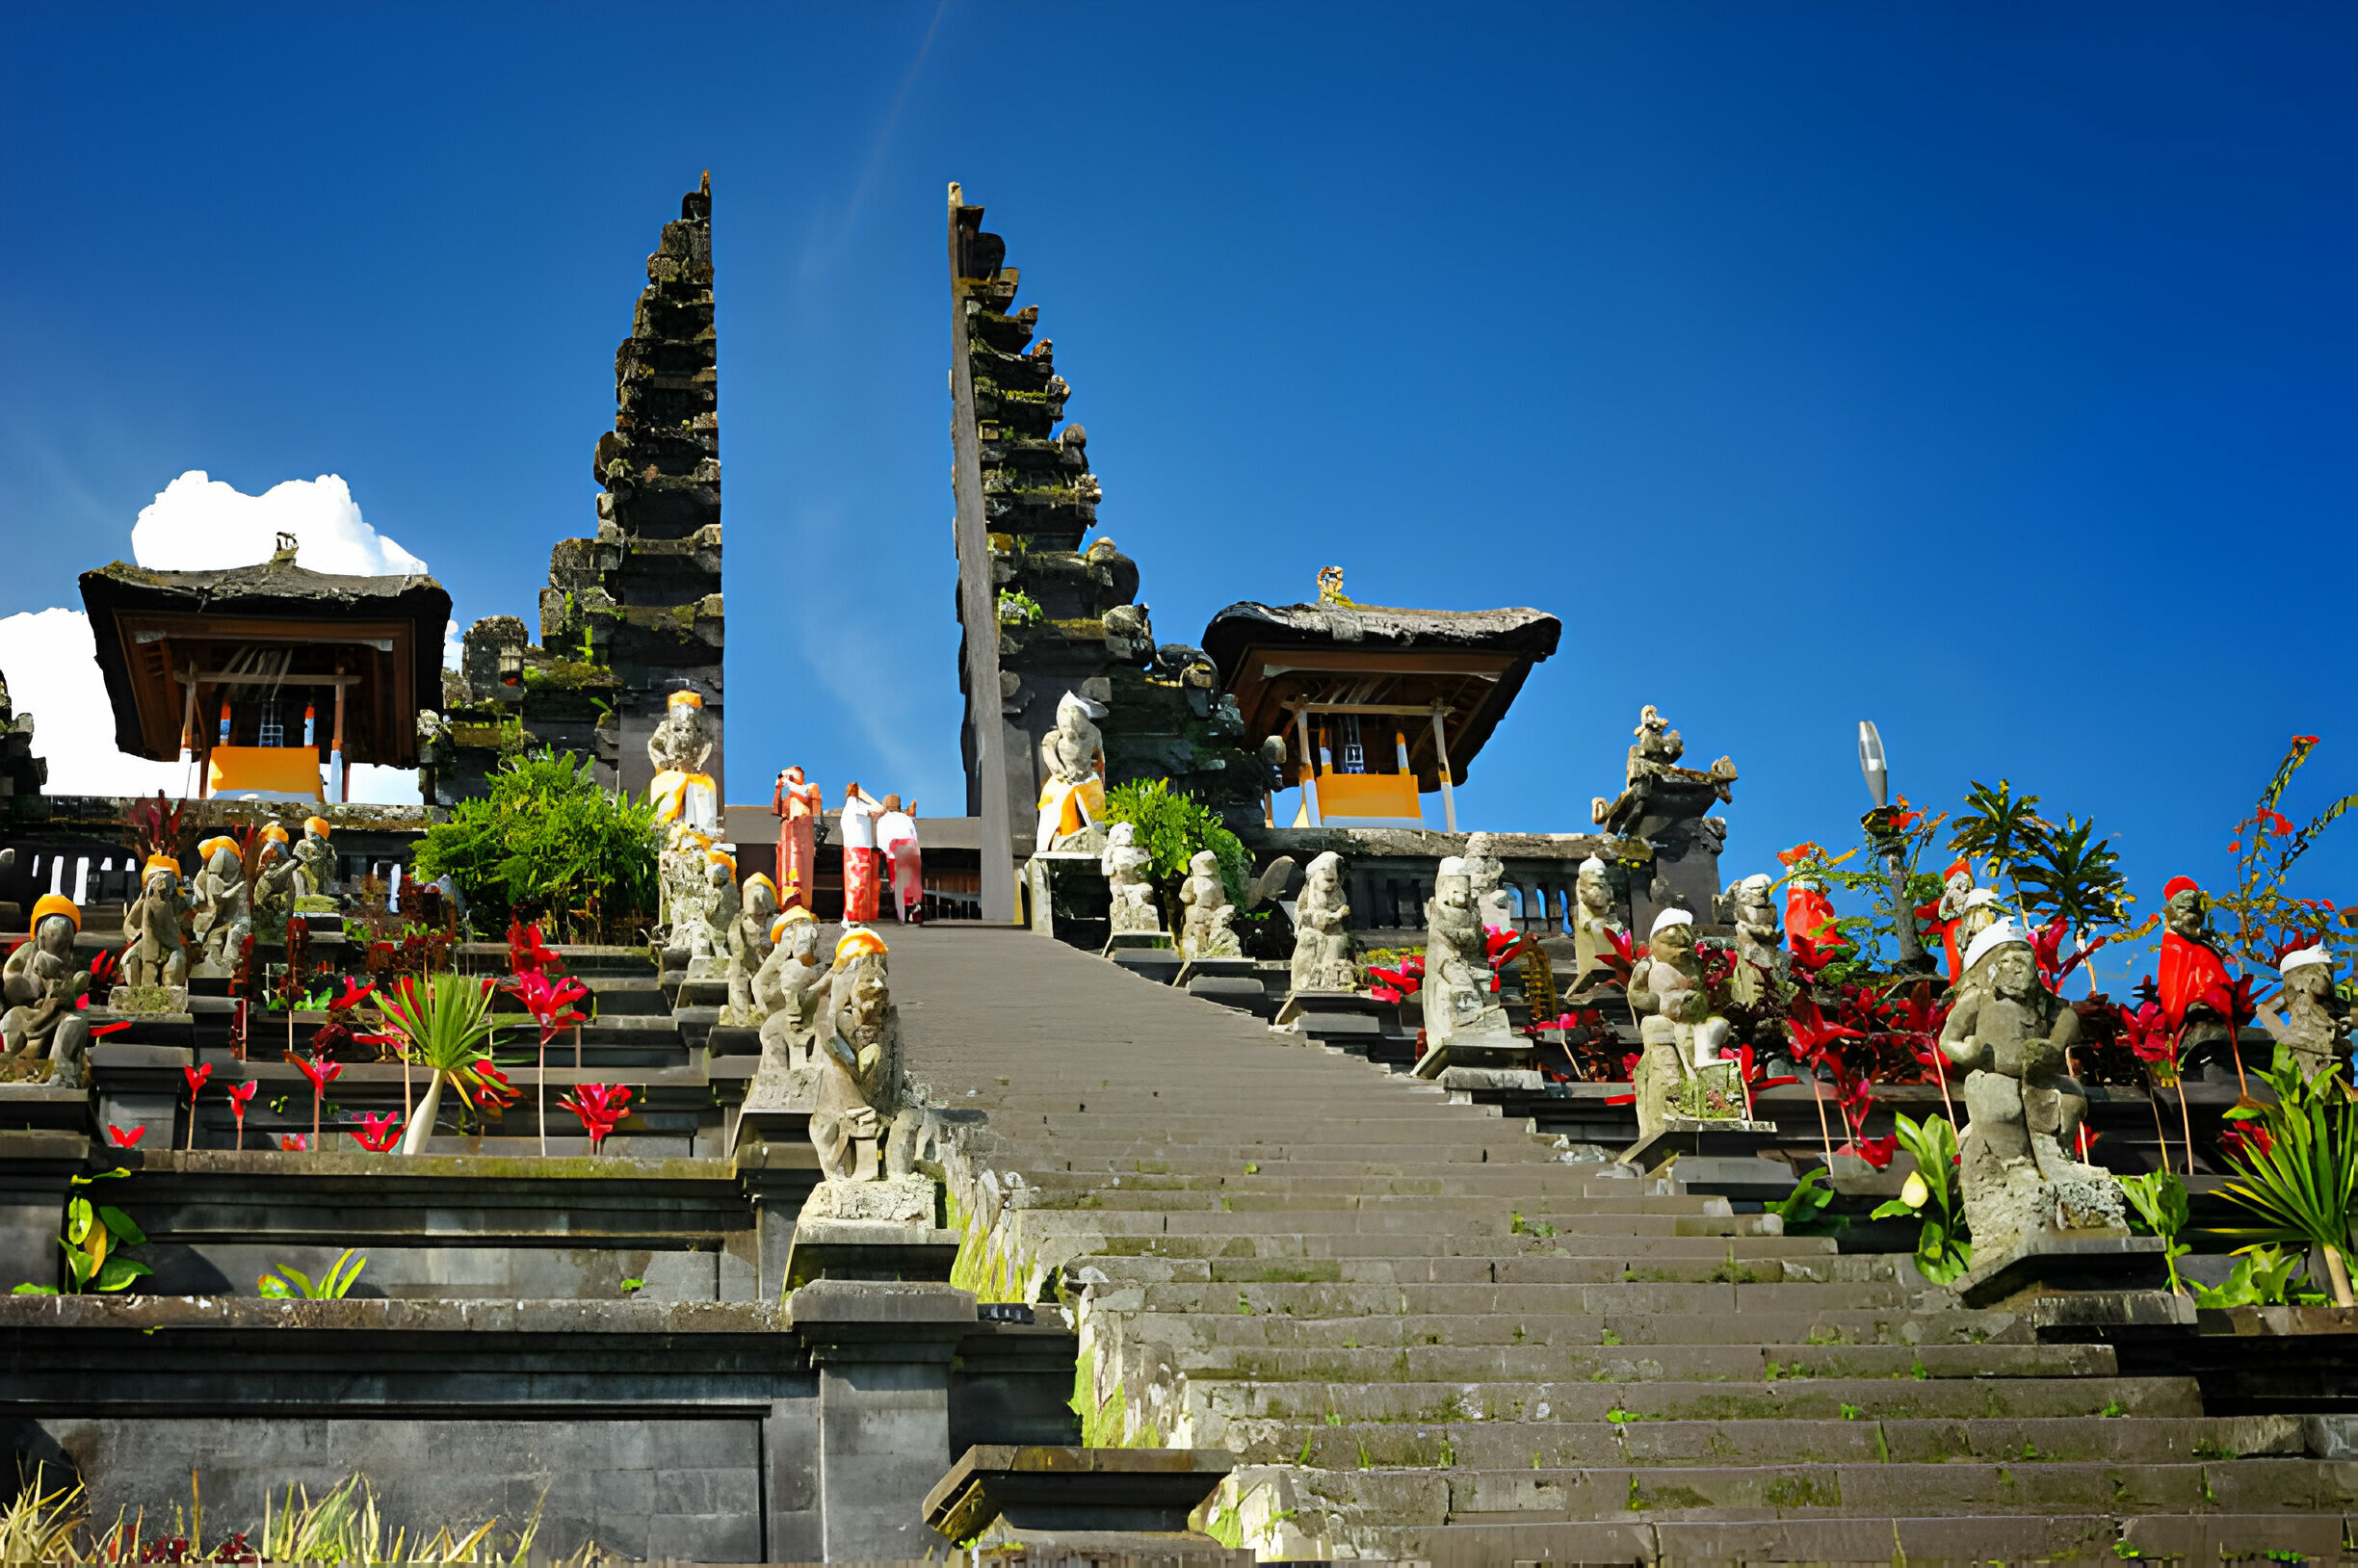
264,770
1369,795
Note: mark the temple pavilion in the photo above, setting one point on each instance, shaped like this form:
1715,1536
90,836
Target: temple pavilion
268,681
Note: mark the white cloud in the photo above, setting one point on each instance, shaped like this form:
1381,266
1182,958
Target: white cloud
202,524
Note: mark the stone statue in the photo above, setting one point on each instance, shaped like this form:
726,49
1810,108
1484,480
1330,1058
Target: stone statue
1654,784
704,922
1321,930
314,859
2191,963
863,1097
224,918
1485,870
42,983
787,991
1680,1038
1758,941
2011,1033
1127,873
1458,1002
2316,1024
158,953
1593,919
1207,912
1073,776
687,806
275,883
748,947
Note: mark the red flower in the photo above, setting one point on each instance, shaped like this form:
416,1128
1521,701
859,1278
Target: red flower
549,1000
1622,960
494,1091
352,996
1752,1071
321,1073
1810,953
2046,945
1876,1151
526,954
1814,1039
379,1132
1397,985
601,1107
295,1142
123,1139
2247,1144
2146,1032
197,1077
239,1096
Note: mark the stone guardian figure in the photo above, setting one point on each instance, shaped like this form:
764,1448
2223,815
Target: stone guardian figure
1207,911
224,917
157,954
43,983
2316,1026
1128,872
748,947
1072,775
1321,930
2010,1033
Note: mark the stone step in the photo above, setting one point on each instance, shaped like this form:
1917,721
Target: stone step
626,994
1450,1227
1483,1183
1415,1267
1602,1299
1467,1496
1530,1445
1817,1399
1957,1539
1769,1365
1558,1328
1542,1224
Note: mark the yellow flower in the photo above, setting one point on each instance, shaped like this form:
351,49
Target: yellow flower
1914,1192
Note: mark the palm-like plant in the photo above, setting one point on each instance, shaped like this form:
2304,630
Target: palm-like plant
2301,1178
445,1023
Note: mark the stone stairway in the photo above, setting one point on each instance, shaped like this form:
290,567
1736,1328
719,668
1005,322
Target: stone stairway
1430,1334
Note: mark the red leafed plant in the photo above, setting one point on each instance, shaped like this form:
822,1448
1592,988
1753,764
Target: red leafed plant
196,1077
241,1095
601,1106
377,1132
1397,985
321,1073
105,974
527,954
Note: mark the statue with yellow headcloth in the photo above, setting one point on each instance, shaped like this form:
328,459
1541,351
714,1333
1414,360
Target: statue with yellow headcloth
46,1037
224,915
687,806
314,859
158,951
748,947
864,1107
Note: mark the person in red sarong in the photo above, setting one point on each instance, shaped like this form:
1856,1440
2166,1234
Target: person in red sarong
862,862
897,836
799,806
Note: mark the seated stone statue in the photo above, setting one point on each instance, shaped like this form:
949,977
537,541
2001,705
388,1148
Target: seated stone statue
275,885
2010,1033
1207,911
157,953
315,858
787,991
1128,872
1485,872
707,927
45,1035
2316,1026
1321,930
224,916
748,947
864,1100
1593,926
1458,1001
1680,1039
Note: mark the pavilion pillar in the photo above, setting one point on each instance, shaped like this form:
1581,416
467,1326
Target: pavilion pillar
1301,724
1441,758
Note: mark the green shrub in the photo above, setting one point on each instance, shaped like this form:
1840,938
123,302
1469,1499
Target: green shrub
547,839
1174,828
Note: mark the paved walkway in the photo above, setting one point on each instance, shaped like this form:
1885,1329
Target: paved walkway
1428,1337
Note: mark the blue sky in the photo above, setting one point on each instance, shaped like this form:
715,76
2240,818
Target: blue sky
1982,370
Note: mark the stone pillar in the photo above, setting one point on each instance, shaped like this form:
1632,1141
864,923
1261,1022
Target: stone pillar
35,1173
881,1352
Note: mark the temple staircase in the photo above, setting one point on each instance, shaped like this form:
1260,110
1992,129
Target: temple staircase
1430,1335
